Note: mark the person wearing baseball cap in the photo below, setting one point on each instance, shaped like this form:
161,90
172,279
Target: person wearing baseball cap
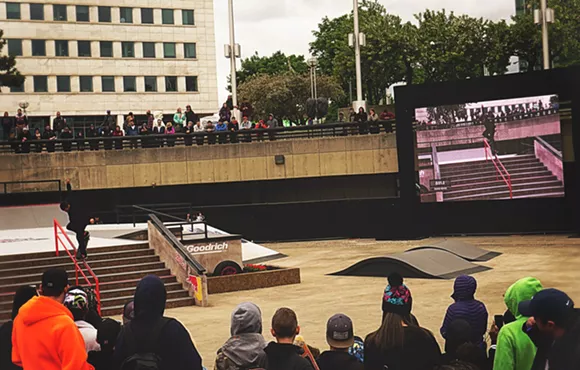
552,312
340,337
45,335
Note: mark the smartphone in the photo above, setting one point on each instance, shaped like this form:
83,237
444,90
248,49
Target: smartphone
498,321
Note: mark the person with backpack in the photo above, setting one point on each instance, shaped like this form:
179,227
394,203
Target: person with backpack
152,341
245,348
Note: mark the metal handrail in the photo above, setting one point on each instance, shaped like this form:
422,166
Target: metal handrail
58,242
177,245
507,181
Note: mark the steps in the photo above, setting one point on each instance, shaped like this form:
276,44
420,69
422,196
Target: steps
479,180
118,268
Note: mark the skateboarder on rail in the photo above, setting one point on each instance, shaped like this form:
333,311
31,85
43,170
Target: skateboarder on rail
78,221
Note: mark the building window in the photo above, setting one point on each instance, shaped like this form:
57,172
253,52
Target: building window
189,50
187,17
167,16
169,49
106,49
83,13
170,83
61,48
14,47
150,83
37,12
126,15
84,48
191,83
59,12
108,84
105,14
148,50
86,83
40,84
128,49
38,48
12,11
129,84
147,15
63,83
15,89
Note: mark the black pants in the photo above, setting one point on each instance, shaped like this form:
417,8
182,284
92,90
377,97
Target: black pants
81,240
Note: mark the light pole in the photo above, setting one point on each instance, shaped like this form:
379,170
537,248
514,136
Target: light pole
357,39
313,62
233,51
543,16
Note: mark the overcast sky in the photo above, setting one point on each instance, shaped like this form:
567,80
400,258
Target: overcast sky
266,26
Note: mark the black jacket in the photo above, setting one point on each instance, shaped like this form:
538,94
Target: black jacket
191,117
336,360
174,345
285,357
77,214
564,353
420,351
58,124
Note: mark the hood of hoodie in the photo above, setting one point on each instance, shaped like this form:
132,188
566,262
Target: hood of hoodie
522,290
464,288
150,297
41,308
247,344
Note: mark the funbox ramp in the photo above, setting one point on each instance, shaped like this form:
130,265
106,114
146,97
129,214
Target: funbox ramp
464,250
422,264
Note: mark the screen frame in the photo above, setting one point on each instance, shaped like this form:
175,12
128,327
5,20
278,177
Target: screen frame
564,82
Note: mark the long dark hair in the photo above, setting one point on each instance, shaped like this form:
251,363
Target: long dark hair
390,335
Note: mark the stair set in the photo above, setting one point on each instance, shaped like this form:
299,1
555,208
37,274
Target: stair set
479,180
118,269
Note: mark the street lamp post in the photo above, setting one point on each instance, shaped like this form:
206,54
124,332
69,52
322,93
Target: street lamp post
233,51
357,39
543,16
313,63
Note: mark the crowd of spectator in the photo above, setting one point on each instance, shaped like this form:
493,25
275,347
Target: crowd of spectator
149,131
446,118
58,328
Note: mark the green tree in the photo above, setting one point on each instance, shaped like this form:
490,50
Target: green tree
276,64
9,75
285,94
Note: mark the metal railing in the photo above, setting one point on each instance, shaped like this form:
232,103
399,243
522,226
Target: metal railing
58,242
499,167
197,138
189,259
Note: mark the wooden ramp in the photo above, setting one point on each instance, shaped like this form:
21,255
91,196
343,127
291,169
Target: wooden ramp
464,250
422,264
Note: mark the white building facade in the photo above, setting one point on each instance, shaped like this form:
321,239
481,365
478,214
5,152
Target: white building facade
84,57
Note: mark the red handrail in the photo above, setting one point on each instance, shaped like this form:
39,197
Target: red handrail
58,241
495,159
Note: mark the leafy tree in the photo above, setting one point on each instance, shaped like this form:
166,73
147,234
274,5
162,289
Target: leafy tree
9,75
276,64
285,94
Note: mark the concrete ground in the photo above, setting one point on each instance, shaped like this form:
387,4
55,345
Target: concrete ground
552,259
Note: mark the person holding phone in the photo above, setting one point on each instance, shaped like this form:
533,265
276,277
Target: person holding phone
515,350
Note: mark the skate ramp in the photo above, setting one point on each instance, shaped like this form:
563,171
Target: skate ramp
421,264
466,251
31,217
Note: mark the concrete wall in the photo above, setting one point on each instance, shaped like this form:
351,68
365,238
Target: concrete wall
550,160
177,265
371,154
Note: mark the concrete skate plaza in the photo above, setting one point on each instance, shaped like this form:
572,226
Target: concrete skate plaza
552,259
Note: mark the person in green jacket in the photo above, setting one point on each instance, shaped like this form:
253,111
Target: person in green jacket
515,350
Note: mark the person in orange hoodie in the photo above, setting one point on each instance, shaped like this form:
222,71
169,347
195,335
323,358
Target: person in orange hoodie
45,335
